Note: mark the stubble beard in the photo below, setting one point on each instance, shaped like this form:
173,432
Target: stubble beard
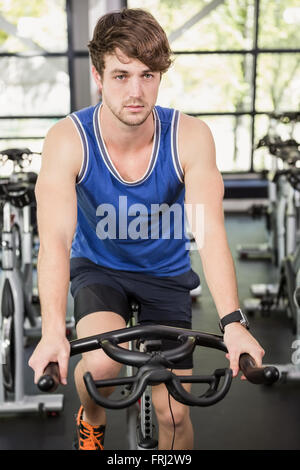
132,121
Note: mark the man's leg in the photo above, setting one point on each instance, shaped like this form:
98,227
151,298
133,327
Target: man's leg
184,434
96,362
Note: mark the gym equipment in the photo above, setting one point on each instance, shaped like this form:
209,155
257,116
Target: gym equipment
286,296
153,367
16,289
282,215
261,250
286,151
279,297
290,290
18,191
197,291
284,226
289,281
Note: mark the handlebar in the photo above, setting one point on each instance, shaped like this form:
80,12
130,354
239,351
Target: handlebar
286,118
17,154
155,367
18,188
21,159
287,150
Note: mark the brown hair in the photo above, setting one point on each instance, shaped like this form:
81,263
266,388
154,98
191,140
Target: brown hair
136,33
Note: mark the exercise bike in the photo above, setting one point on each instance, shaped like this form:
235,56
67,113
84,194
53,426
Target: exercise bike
284,226
286,297
147,366
290,372
282,152
289,295
16,288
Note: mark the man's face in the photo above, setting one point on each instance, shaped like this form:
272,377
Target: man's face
129,89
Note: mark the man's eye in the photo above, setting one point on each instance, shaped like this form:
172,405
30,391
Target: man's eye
120,77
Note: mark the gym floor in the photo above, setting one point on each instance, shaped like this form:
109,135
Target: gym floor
250,417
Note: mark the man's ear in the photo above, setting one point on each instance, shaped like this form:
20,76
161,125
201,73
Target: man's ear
97,78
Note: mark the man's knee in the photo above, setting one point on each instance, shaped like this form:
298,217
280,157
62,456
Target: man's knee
175,415
97,362
168,410
99,365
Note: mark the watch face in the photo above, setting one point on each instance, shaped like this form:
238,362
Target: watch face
244,320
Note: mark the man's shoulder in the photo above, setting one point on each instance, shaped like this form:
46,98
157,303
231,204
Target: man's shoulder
195,139
66,127
62,129
62,141
192,125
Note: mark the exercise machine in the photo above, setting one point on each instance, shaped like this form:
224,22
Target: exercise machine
290,292
283,152
284,227
286,297
16,289
268,298
152,366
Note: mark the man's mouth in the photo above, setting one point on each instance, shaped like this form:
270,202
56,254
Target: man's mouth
134,107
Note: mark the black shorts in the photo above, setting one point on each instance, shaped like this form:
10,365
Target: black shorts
162,300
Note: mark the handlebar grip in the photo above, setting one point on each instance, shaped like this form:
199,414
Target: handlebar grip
50,379
258,375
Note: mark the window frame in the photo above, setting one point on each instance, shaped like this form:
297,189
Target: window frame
71,54
255,52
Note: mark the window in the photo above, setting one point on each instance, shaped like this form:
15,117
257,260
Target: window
34,80
235,63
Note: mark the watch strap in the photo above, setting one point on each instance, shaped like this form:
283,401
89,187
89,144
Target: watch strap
236,316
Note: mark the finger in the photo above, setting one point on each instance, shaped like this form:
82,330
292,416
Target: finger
234,363
63,369
38,368
258,356
38,372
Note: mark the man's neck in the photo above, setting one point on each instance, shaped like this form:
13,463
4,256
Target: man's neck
124,137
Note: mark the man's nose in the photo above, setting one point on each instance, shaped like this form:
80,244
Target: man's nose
135,88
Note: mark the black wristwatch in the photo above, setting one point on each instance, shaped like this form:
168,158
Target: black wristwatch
236,316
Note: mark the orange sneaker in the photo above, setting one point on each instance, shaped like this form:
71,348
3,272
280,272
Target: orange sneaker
88,437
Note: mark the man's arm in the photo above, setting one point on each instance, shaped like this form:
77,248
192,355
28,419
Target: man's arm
56,216
204,187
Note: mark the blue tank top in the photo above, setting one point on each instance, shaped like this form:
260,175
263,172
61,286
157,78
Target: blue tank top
132,226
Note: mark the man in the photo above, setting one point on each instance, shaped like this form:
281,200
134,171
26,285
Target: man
111,174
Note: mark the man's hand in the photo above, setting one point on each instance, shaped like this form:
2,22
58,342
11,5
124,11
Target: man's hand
51,348
238,340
